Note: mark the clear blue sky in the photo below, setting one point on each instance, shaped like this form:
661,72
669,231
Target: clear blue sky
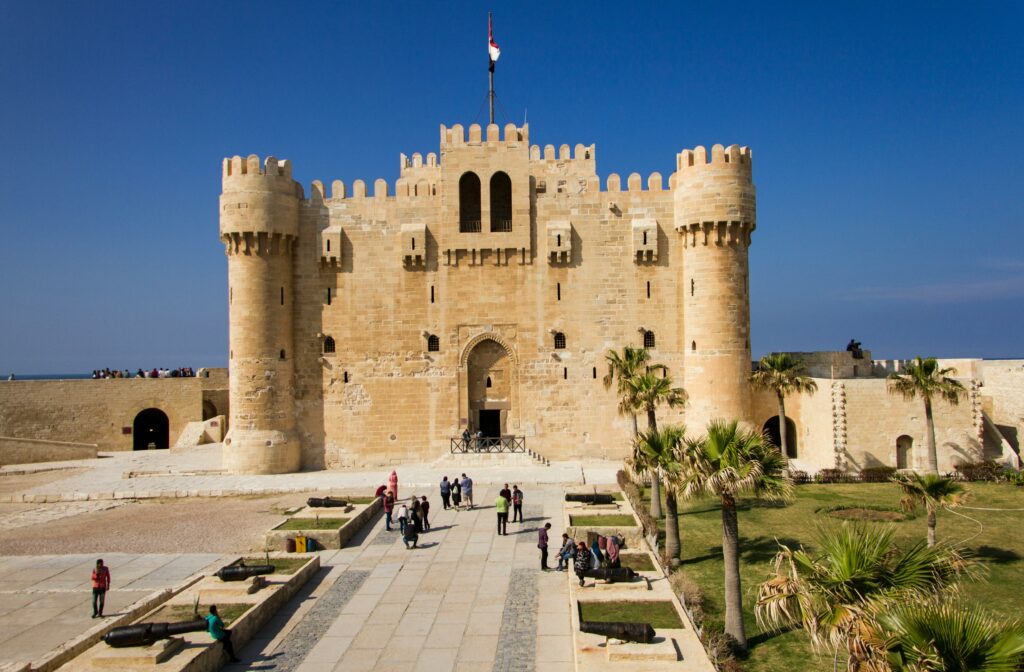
888,148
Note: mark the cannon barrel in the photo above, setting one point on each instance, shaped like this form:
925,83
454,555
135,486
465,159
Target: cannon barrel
243,572
612,574
144,634
589,498
325,502
627,632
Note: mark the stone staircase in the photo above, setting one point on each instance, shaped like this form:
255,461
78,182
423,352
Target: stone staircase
518,459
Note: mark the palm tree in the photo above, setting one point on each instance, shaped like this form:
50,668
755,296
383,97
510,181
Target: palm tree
924,378
950,637
646,392
726,463
782,374
933,491
658,450
859,572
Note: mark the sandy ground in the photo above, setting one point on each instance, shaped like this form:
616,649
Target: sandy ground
12,484
208,525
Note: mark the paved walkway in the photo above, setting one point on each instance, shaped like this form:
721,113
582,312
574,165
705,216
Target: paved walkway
47,600
466,599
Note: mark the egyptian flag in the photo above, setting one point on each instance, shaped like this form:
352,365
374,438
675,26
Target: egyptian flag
492,47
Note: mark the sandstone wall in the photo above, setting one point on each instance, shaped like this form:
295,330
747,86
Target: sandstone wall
95,411
25,451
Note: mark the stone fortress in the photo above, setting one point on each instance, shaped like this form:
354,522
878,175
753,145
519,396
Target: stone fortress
485,292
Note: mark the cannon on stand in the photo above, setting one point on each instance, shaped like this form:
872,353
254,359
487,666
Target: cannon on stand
242,572
326,502
612,574
144,634
590,498
627,632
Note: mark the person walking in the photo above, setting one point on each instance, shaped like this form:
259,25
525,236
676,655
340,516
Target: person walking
216,628
403,517
467,490
581,563
425,513
501,506
542,544
456,493
566,552
389,506
517,504
100,586
446,493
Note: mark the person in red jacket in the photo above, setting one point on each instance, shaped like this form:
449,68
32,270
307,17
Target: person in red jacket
100,586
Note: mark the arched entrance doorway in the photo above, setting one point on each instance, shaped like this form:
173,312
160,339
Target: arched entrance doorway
489,374
904,452
209,410
151,429
771,428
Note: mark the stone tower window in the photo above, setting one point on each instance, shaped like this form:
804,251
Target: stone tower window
559,341
595,373
282,354
693,346
565,373
558,291
344,377
328,296
648,289
488,381
329,346
649,339
469,203
501,202
282,296
693,286
433,343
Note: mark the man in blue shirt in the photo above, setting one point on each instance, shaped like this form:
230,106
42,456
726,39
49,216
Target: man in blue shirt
467,490
216,628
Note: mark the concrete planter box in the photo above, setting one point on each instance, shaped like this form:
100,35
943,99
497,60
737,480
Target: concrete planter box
200,653
358,516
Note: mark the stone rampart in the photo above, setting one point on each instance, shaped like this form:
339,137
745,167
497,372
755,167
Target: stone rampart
26,451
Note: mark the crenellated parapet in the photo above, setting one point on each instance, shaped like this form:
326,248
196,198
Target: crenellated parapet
733,157
456,136
258,206
735,234
715,188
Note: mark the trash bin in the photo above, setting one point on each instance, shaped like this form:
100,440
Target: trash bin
289,545
300,544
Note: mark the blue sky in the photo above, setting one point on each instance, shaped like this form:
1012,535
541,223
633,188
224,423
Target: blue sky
888,146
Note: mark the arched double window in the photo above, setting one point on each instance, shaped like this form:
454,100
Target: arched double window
329,345
559,341
648,339
469,203
501,202
433,343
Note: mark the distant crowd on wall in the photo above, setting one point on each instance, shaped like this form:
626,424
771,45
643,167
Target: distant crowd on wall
182,372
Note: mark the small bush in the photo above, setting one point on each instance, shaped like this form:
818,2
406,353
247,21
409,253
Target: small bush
1013,477
877,474
689,594
800,477
986,470
834,476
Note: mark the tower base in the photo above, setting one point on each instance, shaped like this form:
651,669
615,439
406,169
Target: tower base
259,451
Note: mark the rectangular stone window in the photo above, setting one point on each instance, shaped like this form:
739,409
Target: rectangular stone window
431,293
558,291
328,296
282,296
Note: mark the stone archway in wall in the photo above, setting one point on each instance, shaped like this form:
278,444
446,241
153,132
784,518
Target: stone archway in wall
771,429
488,386
151,429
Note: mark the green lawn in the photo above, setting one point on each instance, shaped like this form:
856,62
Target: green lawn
611,520
176,613
639,562
281,565
312,524
998,546
658,614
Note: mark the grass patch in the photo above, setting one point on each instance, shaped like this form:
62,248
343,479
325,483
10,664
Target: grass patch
640,562
875,515
281,565
366,499
312,524
999,548
658,614
611,520
176,613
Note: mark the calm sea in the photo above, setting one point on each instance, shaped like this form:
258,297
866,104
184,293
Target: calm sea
49,376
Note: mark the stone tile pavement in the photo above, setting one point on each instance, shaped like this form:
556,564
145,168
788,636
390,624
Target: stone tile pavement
47,600
466,599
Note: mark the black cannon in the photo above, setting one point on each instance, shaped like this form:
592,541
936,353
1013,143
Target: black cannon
627,632
144,634
242,572
326,502
589,498
612,574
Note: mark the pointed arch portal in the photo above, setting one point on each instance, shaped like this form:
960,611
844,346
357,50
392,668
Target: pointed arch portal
489,381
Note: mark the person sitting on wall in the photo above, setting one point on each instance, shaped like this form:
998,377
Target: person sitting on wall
216,628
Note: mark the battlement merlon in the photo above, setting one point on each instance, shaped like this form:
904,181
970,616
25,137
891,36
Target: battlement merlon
456,136
733,158
258,200
249,174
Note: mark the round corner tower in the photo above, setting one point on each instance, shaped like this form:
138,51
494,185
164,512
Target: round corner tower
715,211
259,225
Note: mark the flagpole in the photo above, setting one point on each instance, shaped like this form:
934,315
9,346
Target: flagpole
490,70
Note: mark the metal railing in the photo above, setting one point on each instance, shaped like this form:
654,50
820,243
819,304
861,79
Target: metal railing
469,226
501,225
489,444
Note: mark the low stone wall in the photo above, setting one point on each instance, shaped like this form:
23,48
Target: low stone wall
26,451
330,539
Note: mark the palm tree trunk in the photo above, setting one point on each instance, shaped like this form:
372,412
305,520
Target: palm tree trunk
733,591
782,425
652,426
636,430
931,527
671,527
933,456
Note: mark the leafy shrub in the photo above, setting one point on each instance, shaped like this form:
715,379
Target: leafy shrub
877,474
834,476
1013,476
986,470
800,477
719,646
